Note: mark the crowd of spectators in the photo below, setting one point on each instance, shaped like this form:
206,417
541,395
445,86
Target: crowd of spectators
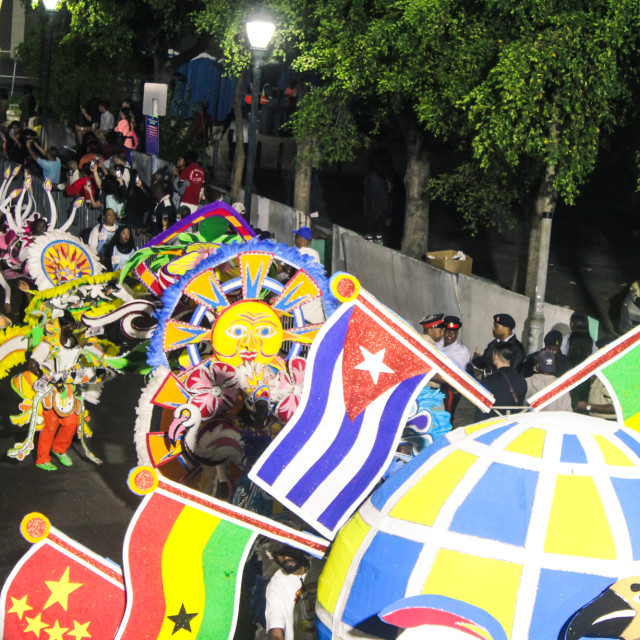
100,169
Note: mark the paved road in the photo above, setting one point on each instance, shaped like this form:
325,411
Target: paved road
90,503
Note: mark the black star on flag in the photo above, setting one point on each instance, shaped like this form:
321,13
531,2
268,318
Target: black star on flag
182,620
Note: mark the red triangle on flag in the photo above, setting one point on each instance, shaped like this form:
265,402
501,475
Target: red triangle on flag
374,360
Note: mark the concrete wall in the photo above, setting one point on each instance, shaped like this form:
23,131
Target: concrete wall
414,289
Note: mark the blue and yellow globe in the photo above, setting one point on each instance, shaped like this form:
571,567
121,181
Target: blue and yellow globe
510,525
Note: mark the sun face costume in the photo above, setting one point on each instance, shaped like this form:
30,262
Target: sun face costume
229,355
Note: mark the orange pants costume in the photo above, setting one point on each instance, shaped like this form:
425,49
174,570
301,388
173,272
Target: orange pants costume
57,434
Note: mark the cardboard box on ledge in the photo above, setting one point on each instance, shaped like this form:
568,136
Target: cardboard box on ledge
444,260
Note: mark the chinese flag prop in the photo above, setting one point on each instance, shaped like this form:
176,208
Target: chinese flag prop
184,554
60,589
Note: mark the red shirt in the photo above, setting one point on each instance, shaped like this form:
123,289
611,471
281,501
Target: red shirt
78,187
194,173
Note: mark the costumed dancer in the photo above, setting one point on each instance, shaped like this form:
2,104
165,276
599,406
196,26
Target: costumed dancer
53,360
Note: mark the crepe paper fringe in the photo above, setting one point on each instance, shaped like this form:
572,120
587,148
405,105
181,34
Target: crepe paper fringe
282,252
60,290
16,357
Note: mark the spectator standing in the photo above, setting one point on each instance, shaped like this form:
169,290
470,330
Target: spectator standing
48,161
508,387
120,248
433,329
290,597
163,213
195,175
552,343
578,346
599,403
302,240
178,186
502,329
138,204
544,373
102,233
16,144
115,195
86,186
125,129
459,354
107,120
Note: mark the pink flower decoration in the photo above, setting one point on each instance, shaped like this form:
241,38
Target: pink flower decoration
287,406
212,387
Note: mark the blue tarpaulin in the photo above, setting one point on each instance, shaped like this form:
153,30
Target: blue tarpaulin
202,81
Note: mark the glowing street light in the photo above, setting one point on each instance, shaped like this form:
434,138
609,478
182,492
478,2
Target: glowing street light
260,30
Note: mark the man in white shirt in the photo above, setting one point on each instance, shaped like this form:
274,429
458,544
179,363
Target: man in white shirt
459,354
290,601
454,350
302,240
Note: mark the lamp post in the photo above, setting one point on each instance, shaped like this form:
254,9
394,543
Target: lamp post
51,7
259,31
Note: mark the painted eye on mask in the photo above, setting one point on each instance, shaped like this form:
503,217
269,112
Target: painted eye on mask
237,331
265,332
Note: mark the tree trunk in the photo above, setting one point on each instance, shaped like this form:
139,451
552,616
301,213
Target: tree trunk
303,171
302,183
543,207
416,180
239,157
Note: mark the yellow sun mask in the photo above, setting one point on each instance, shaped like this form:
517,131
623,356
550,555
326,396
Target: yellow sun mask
247,331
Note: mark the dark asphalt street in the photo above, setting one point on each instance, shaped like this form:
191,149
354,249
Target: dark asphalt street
88,502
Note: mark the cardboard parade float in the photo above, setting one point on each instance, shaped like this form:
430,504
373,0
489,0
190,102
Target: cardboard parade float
518,527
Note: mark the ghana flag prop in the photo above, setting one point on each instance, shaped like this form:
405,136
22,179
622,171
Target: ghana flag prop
364,370
183,559
60,589
617,365
509,527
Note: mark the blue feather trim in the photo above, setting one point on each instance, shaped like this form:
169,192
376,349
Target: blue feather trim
282,252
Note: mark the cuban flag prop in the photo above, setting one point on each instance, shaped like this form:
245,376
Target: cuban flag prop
364,371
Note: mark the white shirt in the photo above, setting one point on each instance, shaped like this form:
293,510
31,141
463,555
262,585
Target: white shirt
100,236
106,121
285,604
458,353
308,251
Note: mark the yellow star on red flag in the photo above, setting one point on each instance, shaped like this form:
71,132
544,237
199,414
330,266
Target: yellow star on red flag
56,632
19,606
35,625
80,630
60,590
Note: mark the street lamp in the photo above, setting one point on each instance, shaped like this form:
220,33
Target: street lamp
259,31
51,6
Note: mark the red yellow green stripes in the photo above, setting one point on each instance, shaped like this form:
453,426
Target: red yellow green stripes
147,535
184,572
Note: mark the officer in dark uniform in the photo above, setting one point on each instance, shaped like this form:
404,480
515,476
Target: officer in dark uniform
508,387
502,329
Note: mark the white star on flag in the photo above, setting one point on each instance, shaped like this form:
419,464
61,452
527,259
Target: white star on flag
373,363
